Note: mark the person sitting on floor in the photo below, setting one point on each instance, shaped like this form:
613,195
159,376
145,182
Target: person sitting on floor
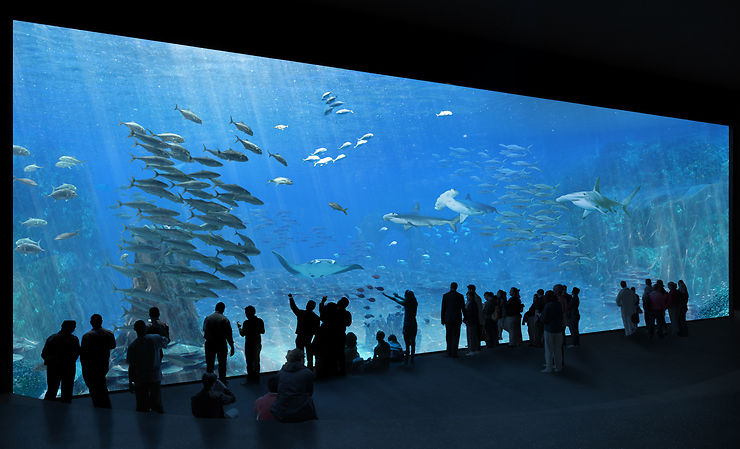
263,403
396,349
294,401
381,355
209,402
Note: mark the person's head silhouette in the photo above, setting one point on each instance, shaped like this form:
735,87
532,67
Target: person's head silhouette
68,326
140,328
220,307
96,321
343,302
250,311
453,286
154,313
310,305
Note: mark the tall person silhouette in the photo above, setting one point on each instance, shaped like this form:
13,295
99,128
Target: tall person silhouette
95,360
217,333
60,357
453,312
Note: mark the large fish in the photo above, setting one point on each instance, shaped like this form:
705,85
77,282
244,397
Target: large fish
189,115
415,220
464,207
594,200
316,268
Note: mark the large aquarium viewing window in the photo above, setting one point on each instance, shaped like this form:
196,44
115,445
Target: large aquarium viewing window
151,174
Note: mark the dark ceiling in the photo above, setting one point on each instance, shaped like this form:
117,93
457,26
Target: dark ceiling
675,57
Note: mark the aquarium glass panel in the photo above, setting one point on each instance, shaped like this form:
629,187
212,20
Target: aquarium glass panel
151,174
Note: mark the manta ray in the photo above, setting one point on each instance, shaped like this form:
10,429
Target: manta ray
594,200
464,207
316,268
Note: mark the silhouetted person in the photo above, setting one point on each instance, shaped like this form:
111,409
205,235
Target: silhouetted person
673,304
574,316
217,332
626,303
501,298
263,403
453,311
294,401
552,319
684,308
646,302
514,309
657,306
473,312
636,317
157,326
252,332
209,402
396,349
539,306
95,360
60,357
410,306
530,319
144,357
352,359
344,320
491,311
326,362
381,354
306,328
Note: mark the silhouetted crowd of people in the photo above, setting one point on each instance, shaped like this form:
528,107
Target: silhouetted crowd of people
655,302
324,348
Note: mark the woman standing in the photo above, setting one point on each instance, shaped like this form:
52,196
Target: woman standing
514,309
409,304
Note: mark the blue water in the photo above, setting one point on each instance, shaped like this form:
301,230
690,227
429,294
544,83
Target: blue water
71,90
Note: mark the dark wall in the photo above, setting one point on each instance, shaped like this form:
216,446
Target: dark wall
646,57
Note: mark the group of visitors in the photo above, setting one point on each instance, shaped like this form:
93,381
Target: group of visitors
324,348
655,302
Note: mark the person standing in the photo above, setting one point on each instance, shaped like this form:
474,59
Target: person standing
473,315
684,308
514,309
307,327
217,333
501,298
144,357
552,319
657,306
60,354
410,305
539,305
626,302
326,363
252,332
453,311
673,304
646,303
344,320
157,326
574,317
491,312
95,360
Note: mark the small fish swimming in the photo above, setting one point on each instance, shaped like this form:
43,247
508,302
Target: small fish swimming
360,142
280,180
20,151
344,145
31,168
189,115
383,229
336,206
35,222
376,276
281,127
311,157
323,161
444,114
278,158
341,156
66,235
326,94
319,150
393,243
367,136
371,299
345,111
26,181
241,126
379,288
360,289
369,315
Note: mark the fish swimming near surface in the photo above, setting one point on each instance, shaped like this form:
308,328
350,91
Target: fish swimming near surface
594,200
464,207
415,220
190,115
316,268
281,127
280,180
345,111
444,114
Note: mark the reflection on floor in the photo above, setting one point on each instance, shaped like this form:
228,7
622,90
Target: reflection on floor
614,392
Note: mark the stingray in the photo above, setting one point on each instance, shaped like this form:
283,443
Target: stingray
316,268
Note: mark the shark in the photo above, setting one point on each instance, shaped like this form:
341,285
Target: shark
594,200
464,207
315,268
415,220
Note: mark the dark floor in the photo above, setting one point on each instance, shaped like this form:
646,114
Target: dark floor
614,392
